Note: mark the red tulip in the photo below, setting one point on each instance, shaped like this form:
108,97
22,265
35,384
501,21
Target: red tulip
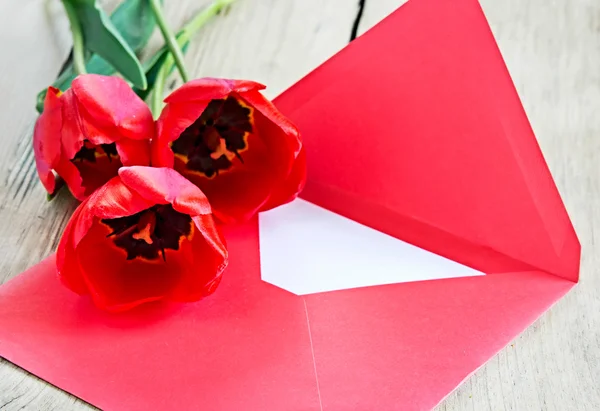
146,235
230,141
86,133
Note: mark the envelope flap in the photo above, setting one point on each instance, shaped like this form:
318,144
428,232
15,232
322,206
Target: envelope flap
416,129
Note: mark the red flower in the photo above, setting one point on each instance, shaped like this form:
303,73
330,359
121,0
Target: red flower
230,141
146,235
86,133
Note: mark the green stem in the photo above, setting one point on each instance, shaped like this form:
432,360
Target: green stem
183,37
169,38
156,99
78,46
202,18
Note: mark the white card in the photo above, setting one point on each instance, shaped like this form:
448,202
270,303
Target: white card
307,249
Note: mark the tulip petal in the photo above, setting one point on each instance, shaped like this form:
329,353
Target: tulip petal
94,174
134,152
111,103
71,134
173,120
117,284
112,200
93,258
291,187
212,235
263,172
70,174
208,88
97,112
96,134
66,260
238,193
165,185
46,139
209,255
268,109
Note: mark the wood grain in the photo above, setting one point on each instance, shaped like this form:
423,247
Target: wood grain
552,49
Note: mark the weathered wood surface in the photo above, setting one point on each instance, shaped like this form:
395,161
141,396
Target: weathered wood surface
552,48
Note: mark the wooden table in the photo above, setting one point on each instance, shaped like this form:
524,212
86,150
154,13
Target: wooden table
552,48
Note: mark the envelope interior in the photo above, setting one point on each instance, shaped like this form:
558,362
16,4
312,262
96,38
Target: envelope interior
307,249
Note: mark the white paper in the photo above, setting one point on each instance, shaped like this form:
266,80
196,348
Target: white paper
307,249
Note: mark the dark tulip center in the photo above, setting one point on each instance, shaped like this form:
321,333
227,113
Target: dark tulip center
96,164
90,152
148,233
218,136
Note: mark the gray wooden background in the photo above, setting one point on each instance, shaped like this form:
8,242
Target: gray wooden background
552,48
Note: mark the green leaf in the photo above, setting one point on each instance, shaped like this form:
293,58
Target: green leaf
135,22
153,65
102,38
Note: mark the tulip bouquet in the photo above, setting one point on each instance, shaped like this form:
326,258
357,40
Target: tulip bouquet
156,183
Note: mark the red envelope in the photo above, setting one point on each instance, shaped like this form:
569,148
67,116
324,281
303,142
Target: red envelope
414,131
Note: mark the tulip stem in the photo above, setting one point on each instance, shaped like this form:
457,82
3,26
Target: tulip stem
156,98
78,44
201,19
170,39
183,37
